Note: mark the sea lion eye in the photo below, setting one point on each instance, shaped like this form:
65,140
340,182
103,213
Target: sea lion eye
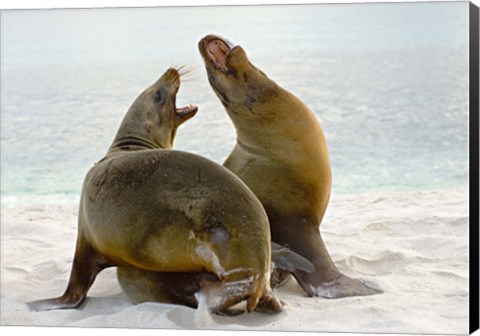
159,96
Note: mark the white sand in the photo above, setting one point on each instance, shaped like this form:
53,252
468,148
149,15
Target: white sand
414,245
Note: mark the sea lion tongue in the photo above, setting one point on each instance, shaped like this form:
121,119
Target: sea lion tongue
217,51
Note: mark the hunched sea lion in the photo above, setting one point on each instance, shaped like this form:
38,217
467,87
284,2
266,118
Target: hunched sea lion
150,207
282,155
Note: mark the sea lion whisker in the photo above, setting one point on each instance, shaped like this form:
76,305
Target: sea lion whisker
184,70
180,67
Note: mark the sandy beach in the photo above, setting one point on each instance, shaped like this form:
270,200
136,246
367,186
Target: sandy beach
413,244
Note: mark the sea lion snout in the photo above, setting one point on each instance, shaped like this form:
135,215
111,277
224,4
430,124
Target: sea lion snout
226,58
171,75
238,59
223,55
169,81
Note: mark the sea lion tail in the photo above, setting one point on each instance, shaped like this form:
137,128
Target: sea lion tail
262,299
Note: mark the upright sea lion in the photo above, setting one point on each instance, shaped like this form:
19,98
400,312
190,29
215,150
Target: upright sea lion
281,154
157,209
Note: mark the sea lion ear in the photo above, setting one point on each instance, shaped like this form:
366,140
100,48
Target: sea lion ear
237,57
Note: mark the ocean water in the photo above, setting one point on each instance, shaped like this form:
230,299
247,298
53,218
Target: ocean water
388,83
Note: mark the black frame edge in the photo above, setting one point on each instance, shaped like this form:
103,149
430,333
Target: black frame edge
474,169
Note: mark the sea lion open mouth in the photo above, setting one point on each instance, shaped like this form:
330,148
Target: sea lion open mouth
174,76
171,80
186,110
217,51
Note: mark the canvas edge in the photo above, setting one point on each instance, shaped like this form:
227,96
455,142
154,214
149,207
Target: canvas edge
474,167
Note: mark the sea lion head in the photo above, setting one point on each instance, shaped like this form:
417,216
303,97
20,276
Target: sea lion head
241,87
163,115
153,118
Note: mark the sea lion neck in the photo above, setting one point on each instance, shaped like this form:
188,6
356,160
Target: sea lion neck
136,131
132,143
280,118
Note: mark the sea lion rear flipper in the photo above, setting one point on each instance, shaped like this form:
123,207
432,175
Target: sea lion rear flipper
286,259
87,263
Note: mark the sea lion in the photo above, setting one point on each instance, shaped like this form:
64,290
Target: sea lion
281,154
147,206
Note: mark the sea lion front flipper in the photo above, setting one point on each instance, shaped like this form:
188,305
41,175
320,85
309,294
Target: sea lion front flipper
325,281
341,287
87,263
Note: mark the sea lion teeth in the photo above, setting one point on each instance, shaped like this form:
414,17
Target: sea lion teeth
182,109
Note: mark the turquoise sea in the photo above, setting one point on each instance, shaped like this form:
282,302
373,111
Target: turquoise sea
388,83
